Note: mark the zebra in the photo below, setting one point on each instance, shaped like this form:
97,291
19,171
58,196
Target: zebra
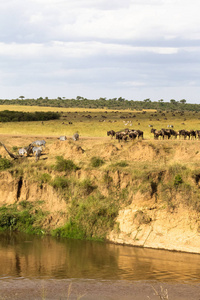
62,138
22,151
39,143
35,149
37,154
75,137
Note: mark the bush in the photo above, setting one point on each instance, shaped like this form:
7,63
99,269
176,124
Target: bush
87,187
60,183
177,180
26,204
64,164
70,230
19,116
11,218
96,162
44,178
5,164
15,148
91,218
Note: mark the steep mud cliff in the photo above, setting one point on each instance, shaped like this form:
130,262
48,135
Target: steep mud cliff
151,197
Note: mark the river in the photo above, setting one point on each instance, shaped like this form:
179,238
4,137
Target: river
53,268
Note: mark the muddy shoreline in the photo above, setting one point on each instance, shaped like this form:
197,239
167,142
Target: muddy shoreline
37,289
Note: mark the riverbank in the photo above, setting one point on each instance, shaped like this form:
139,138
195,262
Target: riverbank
36,289
143,193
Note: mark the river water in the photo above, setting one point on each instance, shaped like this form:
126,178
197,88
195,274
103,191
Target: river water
26,260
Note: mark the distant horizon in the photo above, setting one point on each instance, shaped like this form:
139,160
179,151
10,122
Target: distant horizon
136,48
119,99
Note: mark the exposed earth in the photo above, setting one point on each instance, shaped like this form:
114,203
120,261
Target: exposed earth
146,219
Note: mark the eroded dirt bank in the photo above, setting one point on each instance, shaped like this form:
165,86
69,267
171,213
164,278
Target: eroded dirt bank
154,187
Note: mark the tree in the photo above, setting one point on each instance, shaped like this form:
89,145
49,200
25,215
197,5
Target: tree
21,97
120,99
147,100
183,101
79,98
172,101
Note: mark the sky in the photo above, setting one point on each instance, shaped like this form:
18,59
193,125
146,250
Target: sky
135,49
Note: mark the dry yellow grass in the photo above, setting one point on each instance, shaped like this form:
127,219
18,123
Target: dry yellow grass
59,109
96,126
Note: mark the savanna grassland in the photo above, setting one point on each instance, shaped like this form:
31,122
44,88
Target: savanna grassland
96,122
143,192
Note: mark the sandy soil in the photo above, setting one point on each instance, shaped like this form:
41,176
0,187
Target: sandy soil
99,290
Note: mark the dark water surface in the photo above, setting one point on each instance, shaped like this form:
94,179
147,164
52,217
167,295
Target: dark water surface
33,257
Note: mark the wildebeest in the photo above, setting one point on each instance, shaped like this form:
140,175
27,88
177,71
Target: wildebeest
173,133
111,133
139,133
75,137
193,134
121,136
132,135
156,133
198,134
166,132
184,133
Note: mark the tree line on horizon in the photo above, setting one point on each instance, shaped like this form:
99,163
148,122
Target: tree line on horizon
20,116
114,103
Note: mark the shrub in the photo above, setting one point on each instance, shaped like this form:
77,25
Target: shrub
5,164
91,218
87,187
11,218
60,183
44,178
64,164
19,116
96,162
70,230
15,148
177,180
25,204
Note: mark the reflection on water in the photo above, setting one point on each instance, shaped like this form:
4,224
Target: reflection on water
47,257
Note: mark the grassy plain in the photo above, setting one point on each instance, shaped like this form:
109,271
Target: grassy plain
96,122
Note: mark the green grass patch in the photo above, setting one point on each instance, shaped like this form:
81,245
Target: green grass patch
90,218
24,218
121,164
96,162
63,165
87,187
5,163
60,182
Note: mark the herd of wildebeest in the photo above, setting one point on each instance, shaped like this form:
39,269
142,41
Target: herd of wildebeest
124,135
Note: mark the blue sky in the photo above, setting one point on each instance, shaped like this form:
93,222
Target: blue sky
135,49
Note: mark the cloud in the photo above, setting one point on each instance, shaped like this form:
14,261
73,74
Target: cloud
99,47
